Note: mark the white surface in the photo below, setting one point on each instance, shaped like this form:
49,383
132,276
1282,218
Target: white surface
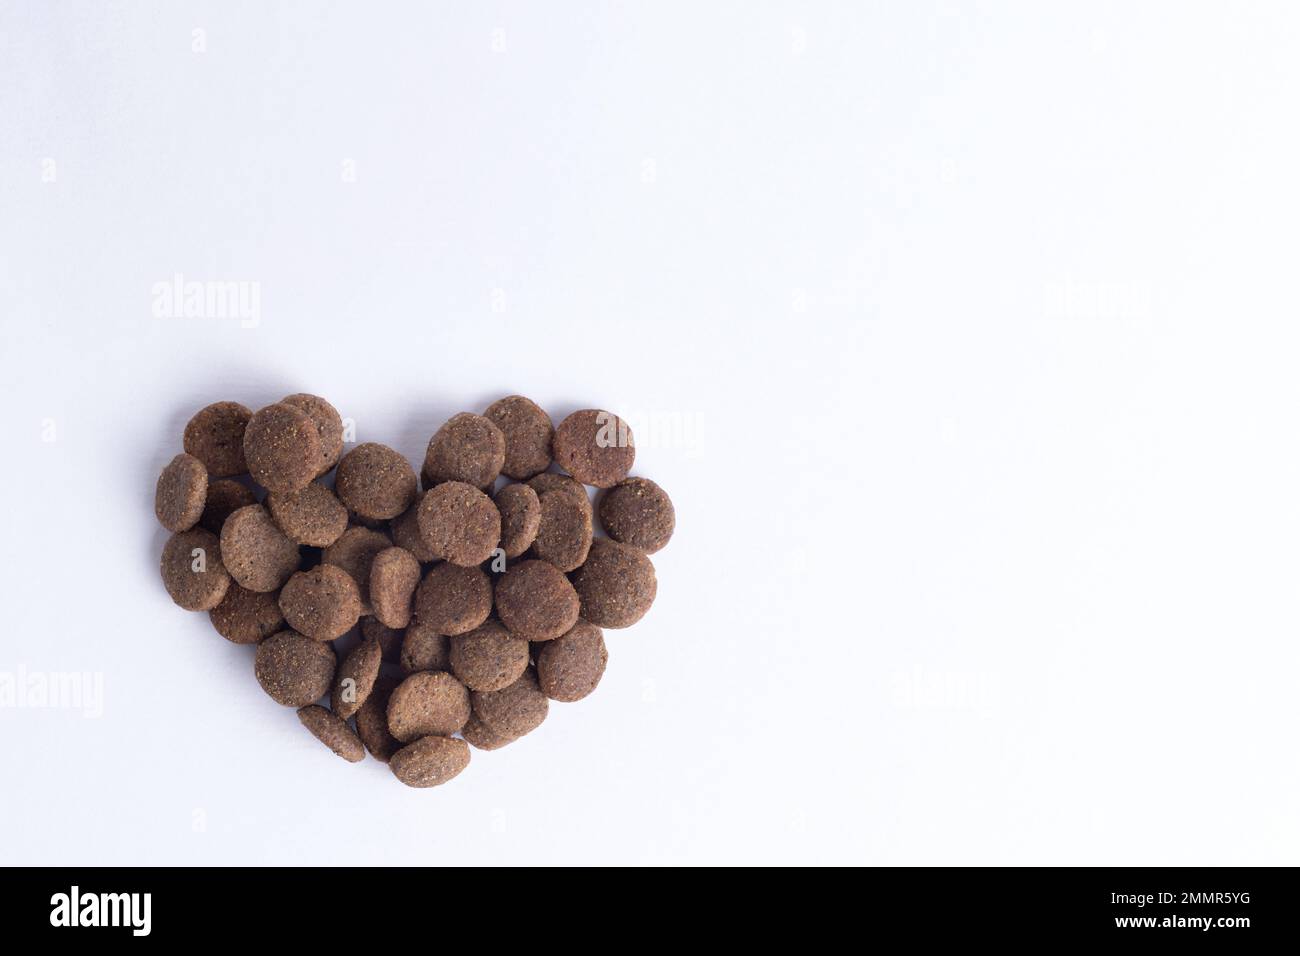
973,327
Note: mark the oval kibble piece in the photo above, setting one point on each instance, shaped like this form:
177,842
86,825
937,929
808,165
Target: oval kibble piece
193,570
215,436
294,670
375,482
488,657
424,649
570,667
459,523
181,493
329,427
389,638
283,448
323,603
225,497
512,711
356,678
527,430
333,731
638,512
355,552
480,735
594,446
430,761
521,516
452,599
535,601
429,702
468,448
550,481
405,529
372,721
258,554
616,585
394,575
245,617
564,531
311,516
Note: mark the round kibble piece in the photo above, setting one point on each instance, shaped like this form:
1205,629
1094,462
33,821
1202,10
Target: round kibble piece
283,448
424,649
430,702
549,481
225,497
570,667
245,617
193,570
329,427
564,532
595,447
181,493
452,599
480,735
521,515
375,482
355,552
356,678
215,436
535,601
322,603
394,575
469,449
638,512
527,430
459,524
333,731
372,721
616,585
312,516
488,657
294,670
389,638
512,711
257,553
430,761
405,529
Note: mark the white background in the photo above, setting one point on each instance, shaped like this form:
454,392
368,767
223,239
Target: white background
973,327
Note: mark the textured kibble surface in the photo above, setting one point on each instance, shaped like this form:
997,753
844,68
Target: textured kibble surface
389,638
245,617
424,649
329,427
225,497
459,523
312,516
480,735
595,447
535,601
356,677
355,552
283,448
563,530
429,702
488,657
512,711
405,529
193,571
616,585
215,436
294,670
527,430
521,516
257,553
375,482
469,449
638,512
549,481
394,575
322,603
570,667
452,599
333,731
430,761
372,721
181,493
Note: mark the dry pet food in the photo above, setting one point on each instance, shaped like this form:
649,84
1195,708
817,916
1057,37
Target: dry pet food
595,447
424,649
527,431
638,512
430,761
469,449
245,617
294,670
322,603
257,553
356,677
215,436
181,494
459,523
521,516
452,599
333,731
311,516
225,497
570,667
283,448
536,601
430,702
488,657
192,570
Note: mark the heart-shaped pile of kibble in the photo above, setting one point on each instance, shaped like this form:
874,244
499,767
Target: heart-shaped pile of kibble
477,604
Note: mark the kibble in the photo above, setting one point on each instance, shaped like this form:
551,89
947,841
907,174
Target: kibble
333,731
329,427
468,449
394,575
311,516
405,529
355,552
225,497
527,430
595,447
375,482
428,702
452,599
488,657
430,761
521,516
424,649
459,523
512,711
535,601
258,554
638,512
193,570
356,678
215,436
283,448
294,670
372,721
323,603
564,530
245,617
570,667
389,638
616,585
479,735
181,493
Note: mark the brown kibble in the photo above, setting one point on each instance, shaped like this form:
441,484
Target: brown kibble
245,617
459,523
452,599
215,436
424,649
488,657
394,575
570,667
469,449
356,678
595,447
512,711
638,512
535,601
375,482
564,532
333,731
181,493
550,481
428,702
294,670
256,552
389,638
430,761
405,529
480,735
225,497
616,585
527,430
355,552
193,570
313,516
329,427
283,448
372,721
521,515
323,603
